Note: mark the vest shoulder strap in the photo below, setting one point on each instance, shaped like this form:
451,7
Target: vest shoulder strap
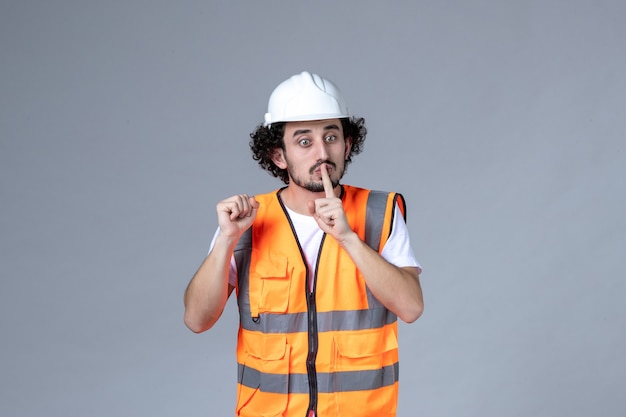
379,217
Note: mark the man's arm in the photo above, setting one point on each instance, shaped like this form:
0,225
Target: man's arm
208,290
396,288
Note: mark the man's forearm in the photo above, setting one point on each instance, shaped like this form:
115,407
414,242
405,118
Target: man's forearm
396,288
208,290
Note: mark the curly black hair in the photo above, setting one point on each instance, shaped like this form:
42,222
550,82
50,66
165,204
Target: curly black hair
265,139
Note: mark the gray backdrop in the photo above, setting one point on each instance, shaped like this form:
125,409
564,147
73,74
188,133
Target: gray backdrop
123,122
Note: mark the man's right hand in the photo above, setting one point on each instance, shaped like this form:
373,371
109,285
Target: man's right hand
236,214
208,290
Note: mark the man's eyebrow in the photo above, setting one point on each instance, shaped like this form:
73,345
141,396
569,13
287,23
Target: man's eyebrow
303,131
300,132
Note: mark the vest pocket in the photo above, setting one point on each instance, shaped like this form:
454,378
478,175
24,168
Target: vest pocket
264,388
363,349
366,373
275,285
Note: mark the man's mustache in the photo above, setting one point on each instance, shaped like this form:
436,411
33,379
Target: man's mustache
319,164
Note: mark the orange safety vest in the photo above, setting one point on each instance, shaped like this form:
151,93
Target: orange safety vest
333,350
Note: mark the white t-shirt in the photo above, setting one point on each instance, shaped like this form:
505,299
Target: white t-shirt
397,249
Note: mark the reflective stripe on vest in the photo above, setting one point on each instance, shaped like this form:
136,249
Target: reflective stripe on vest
282,320
327,382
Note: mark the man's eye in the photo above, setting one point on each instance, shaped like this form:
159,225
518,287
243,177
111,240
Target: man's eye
331,138
304,142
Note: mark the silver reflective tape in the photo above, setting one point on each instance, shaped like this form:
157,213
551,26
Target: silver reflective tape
374,218
329,321
326,382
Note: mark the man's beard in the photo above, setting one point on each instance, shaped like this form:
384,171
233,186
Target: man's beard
315,187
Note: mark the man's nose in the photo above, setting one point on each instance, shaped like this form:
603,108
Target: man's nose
322,150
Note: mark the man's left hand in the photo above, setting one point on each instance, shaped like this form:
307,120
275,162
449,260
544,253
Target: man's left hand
328,211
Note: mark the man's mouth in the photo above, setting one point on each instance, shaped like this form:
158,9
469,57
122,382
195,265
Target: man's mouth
316,169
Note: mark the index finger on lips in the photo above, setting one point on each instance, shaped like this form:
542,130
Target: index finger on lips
328,185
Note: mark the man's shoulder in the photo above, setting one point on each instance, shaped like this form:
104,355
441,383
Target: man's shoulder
267,195
354,189
378,201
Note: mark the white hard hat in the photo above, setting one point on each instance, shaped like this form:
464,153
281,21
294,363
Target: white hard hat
305,96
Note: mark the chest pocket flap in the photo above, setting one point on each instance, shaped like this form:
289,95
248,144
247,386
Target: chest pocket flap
270,285
364,349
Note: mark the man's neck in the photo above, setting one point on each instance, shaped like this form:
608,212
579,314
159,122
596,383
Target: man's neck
297,198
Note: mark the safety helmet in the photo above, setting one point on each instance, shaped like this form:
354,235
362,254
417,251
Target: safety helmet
305,96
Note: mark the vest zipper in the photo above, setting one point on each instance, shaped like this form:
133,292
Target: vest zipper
313,336
312,352
311,318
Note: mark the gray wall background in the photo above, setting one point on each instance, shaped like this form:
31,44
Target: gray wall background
122,123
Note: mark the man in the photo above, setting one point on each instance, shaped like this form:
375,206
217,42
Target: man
322,270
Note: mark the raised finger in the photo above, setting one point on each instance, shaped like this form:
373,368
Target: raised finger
328,185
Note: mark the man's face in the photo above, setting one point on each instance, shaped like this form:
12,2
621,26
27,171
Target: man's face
310,144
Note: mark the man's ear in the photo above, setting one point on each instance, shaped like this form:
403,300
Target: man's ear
348,147
278,157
